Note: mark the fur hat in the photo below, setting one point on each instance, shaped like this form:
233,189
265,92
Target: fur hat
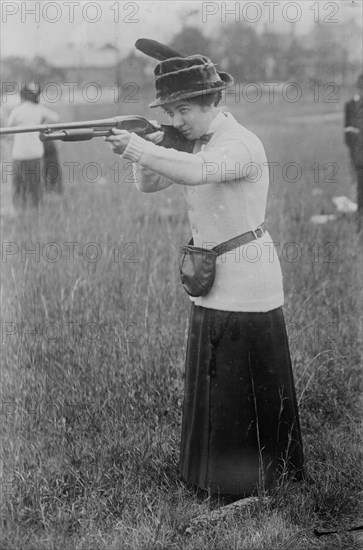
179,78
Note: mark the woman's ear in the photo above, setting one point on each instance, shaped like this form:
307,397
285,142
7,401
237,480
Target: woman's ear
207,108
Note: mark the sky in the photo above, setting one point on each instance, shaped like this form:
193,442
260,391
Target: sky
69,32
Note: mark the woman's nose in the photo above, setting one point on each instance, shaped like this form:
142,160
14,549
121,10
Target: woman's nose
177,121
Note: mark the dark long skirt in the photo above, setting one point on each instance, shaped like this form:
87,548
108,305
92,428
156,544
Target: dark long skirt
241,427
53,178
28,184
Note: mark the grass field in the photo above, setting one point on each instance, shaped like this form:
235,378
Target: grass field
93,348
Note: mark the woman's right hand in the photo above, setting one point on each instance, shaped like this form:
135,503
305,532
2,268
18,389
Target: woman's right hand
155,137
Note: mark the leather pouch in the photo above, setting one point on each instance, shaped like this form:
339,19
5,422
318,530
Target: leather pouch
198,265
197,269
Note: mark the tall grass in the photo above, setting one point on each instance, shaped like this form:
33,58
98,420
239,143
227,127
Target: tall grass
93,359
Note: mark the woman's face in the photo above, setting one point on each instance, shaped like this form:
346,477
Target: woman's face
191,119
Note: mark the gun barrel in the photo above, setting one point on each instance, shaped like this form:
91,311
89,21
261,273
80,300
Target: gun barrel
104,123
78,134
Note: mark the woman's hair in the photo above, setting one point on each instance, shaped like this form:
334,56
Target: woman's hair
207,99
30,92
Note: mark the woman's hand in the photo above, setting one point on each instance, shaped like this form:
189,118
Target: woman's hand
119,140
155,137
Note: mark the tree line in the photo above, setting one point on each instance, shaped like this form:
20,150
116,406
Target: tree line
323,54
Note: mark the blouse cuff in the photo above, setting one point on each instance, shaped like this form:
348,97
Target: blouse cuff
134,149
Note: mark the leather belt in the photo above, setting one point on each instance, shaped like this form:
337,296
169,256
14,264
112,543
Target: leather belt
245,238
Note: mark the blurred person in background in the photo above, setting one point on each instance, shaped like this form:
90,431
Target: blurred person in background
353,132
28,150
240,429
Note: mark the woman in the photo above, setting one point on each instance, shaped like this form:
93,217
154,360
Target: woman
28,150
240,420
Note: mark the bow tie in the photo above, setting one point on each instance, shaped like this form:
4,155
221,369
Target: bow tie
205,138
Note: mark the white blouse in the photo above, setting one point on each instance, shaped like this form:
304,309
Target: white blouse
225,183
28,146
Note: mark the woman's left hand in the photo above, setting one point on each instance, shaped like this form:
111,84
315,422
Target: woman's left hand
119,140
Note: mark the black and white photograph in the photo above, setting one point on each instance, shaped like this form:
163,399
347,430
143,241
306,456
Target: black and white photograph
181,275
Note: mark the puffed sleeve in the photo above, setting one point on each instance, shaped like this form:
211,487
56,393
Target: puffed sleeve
228,160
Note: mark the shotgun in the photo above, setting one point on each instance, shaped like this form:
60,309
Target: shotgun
84,131
89,129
